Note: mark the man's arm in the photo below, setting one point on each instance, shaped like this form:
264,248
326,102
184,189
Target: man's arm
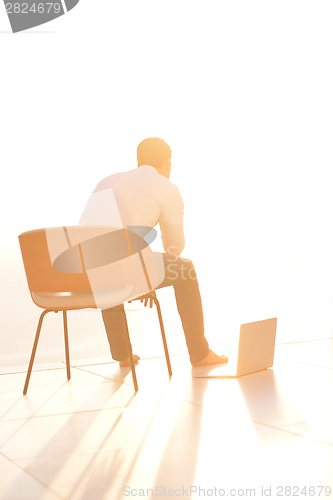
173,238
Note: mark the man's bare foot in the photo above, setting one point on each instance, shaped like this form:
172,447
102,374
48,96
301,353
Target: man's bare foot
126,362
212,359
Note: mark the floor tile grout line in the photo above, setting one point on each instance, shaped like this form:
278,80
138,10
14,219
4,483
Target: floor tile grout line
109,378
92,410
127,383
35,371
303,341
25,369
155,391
141,359
130,384
310,420
98,375
292,432
71,413
32,476
305,364
84,411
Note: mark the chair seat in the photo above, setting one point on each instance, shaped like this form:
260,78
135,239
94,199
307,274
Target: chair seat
78,300
63,300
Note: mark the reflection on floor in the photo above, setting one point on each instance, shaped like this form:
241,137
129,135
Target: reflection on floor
94,438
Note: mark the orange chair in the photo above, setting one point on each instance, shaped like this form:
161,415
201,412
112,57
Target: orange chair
56,291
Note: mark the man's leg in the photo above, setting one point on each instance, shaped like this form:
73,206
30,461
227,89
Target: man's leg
114,319
180,273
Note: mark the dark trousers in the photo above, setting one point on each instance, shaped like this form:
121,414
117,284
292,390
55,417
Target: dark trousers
179,273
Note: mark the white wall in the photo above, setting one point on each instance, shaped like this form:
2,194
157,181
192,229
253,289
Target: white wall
242,91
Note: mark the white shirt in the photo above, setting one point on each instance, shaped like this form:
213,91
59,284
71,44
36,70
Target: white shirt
138,197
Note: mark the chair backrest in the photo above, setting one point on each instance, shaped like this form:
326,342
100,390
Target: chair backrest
115,264
41,276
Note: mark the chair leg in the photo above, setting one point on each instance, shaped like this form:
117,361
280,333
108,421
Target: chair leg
130,353
167,357
68,367
33,353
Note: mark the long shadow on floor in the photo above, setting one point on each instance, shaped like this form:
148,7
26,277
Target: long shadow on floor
60,448
178,463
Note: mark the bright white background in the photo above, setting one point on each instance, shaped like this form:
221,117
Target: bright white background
242,92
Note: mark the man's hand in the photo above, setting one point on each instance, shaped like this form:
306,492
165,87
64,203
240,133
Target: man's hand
150,300
145,299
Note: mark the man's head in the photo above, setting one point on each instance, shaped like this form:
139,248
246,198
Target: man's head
155,152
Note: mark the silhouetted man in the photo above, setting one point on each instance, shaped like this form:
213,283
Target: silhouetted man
144,196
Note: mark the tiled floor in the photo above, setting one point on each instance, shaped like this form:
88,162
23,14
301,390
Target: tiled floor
93,438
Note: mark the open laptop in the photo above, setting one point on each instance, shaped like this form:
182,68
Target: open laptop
255,352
